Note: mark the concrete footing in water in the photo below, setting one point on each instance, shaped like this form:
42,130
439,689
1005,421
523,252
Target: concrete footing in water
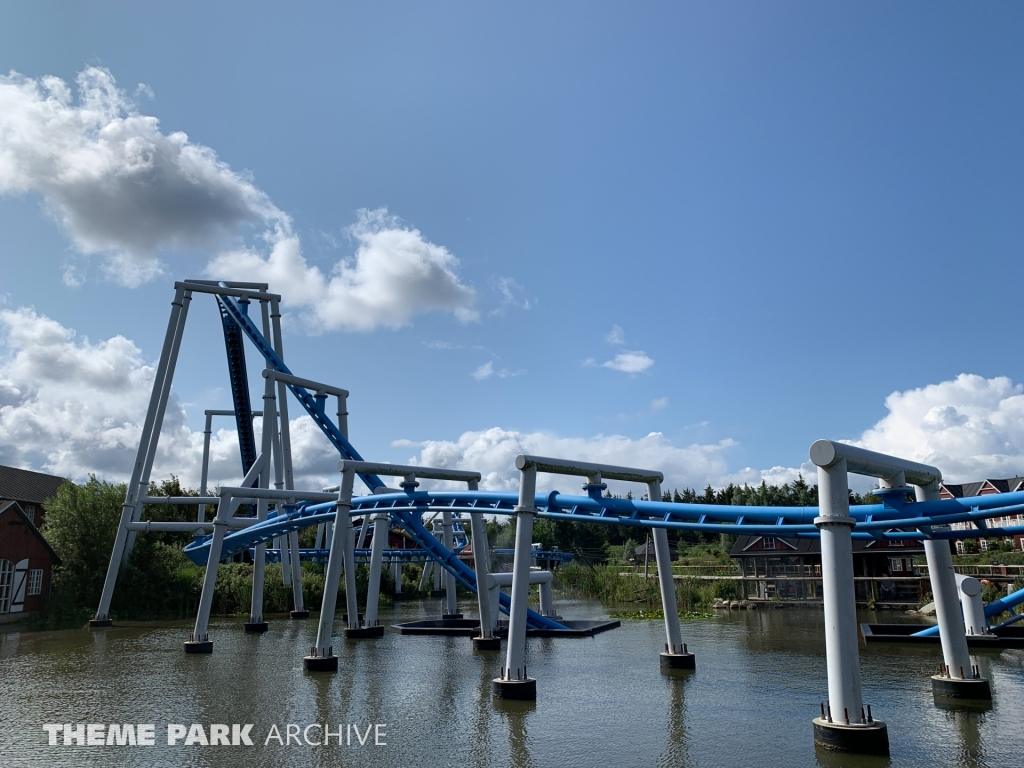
864,739
521,690
678,661
364,632
320,663
977,688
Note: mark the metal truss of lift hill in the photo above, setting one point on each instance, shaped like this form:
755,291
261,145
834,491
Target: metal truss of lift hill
254,514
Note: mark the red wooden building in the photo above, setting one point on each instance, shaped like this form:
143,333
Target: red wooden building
26,563
26,559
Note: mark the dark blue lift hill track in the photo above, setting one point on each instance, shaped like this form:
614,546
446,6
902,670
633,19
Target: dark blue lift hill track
233,309
234,343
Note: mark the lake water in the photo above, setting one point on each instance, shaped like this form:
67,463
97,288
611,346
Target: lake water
601,701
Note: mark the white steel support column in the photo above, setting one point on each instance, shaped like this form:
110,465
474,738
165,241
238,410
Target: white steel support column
164,371
380,539
284,548
448,539
514,682
841,641
348,542
323,658
486,640
959,678
161,409
425,574
300,611
676,655
200,641
844,725
547,600
947,599
293,573
972,605
363,530
204,477
269,431
397,571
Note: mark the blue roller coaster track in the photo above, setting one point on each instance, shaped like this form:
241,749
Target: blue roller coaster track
894,519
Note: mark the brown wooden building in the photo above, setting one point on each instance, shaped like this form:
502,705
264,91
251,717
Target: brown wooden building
790,569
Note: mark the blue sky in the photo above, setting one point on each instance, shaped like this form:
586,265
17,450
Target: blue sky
795,210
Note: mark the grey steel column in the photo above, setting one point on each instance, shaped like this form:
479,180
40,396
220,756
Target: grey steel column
165,364
200,641
256,624
323,658
514,682
675,655
380,540
958,679
843,726
448,538
165,394
485,641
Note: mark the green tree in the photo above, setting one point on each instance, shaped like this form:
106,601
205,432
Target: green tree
81,522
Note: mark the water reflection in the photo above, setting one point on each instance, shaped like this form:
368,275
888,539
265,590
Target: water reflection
515,716
601,701
829,759
677,746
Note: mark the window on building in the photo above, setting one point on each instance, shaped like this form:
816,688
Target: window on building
983,544
896,564
30,511
768,542
35,581
6,585
959,547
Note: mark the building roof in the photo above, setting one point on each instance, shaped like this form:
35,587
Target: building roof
15,507
23,485
970,490
793,547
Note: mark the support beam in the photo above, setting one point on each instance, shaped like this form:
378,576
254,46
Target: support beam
959,678
256,624
841,727
451,610
323,658
199,641
972,605
380,539
485,641
164,372
514,683
675,655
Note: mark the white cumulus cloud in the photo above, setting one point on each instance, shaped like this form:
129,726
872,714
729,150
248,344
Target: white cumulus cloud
73,407
487,370
117,184
492,452
630,362
969,427
122,188
394,274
